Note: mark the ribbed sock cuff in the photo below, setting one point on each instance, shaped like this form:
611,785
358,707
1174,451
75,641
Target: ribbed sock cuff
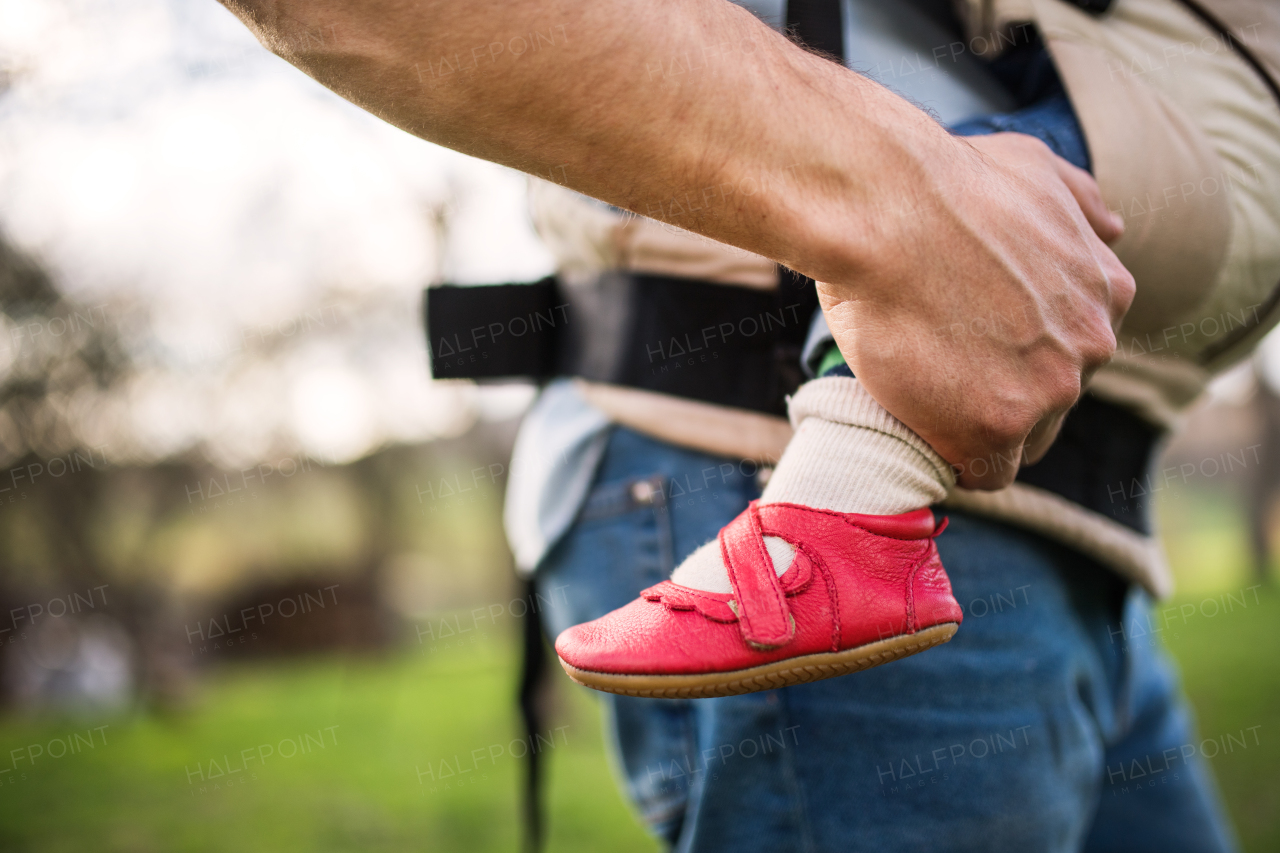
850,455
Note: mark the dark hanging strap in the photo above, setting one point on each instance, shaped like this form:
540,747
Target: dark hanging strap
817,24
533,677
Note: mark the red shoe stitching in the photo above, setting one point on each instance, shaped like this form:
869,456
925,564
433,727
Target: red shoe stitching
833,593
911,590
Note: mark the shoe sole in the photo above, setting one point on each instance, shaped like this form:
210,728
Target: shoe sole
768,676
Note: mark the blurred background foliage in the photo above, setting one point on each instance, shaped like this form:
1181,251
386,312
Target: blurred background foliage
214,402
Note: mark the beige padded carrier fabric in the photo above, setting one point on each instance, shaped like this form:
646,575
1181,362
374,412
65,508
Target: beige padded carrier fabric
1185,141
1184,136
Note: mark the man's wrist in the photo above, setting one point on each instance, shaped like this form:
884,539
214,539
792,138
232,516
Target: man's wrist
864,190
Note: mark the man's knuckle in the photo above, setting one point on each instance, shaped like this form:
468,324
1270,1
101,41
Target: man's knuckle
1007,424
1124,287
1037,148
1101,347
1064,393
1095,340
1057,390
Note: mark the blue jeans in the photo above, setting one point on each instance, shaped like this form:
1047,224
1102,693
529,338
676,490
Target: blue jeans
1053,121
1041,727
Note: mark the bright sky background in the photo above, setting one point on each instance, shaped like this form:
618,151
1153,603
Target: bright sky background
164,166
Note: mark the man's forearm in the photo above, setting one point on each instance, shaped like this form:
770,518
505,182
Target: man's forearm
694,113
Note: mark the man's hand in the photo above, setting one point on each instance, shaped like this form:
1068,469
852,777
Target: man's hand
989,302
695,113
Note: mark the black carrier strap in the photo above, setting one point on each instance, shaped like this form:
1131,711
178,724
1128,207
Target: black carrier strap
495,331
720,344
730,346
534,672
817,24
1101,460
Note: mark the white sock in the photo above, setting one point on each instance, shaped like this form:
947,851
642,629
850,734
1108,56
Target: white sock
849,455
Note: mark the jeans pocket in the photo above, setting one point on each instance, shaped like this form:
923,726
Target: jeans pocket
634,501
620,545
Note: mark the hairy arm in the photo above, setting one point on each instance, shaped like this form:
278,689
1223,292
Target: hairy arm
697,114
639,103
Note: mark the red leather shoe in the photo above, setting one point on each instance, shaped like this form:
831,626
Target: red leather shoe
862,590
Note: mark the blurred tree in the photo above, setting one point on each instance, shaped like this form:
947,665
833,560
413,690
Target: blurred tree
52,485
148,528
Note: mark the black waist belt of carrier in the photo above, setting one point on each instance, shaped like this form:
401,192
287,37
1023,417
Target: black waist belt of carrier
722,344
732,346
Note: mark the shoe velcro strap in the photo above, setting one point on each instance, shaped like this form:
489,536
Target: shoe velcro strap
763,615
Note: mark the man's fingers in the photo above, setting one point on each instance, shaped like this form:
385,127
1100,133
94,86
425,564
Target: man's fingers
1109,226
997,469
1106,224
990,472
1122,285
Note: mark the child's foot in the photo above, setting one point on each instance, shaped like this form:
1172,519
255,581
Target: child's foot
832,571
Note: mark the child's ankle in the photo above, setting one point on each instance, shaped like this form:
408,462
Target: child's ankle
850,455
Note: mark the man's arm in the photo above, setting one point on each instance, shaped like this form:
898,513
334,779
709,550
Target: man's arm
697,114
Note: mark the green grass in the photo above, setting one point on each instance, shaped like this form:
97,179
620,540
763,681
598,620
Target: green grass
361,791
396,717
1205,537
1230,662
